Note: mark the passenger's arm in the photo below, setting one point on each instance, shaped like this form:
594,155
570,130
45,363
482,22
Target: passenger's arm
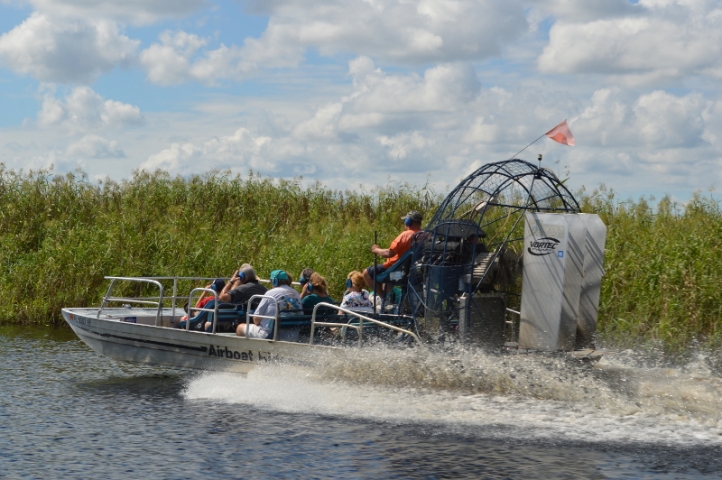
224,295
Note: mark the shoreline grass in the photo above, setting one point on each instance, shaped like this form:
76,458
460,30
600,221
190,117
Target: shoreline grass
61,234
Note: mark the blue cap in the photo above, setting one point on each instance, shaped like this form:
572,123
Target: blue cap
218,284
279,275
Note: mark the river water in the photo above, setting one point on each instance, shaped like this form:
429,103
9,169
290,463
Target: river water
68,412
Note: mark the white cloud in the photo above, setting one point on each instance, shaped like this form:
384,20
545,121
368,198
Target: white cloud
178,58
169,62
379,99
94,146
84,110
62,51
392,30
240,150
398,30
665,121
442,88
481,132
656,120
322,125
670,39
450,113
400,146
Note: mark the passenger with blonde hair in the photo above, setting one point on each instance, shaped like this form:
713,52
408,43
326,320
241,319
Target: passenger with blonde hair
356,297
316,292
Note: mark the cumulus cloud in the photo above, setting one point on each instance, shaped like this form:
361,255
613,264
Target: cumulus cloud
240,150
369,124
169,62
656,120
322,125
84,110
382,101
400,146
392,30
408,32
94,146
664,120
65,51
179,58
442,88
668,39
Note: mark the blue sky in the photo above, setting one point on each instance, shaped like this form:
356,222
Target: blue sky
359,93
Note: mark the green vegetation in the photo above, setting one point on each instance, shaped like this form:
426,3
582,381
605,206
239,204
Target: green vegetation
60,235
663,269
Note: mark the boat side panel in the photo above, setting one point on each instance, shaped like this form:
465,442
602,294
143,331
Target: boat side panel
151,345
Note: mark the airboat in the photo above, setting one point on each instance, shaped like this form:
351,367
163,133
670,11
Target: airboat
507,263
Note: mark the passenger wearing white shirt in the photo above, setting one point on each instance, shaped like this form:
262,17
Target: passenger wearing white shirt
288,299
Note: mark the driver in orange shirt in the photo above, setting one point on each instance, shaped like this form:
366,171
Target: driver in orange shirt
412,225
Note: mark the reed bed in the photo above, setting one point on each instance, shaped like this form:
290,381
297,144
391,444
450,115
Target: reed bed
61,234
663,267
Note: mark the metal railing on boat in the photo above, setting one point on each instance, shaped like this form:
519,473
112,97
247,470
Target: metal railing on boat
274,317
201,309
108,298
273,336
359,327
155,301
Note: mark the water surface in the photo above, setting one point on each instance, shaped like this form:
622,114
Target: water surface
67,411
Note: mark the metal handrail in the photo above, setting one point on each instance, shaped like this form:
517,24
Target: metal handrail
274,333
361,318
214,309
108,298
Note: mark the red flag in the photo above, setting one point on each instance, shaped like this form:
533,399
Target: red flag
561,134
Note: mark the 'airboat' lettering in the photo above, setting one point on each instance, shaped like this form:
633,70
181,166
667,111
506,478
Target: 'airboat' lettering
543,246
225,352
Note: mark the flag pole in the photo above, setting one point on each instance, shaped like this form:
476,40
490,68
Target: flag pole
532,143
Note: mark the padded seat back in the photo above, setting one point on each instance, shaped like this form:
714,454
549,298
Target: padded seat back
397,273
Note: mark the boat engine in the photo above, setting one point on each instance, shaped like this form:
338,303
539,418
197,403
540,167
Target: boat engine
493,268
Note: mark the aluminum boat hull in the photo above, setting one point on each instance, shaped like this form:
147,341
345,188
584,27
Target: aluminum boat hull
115,335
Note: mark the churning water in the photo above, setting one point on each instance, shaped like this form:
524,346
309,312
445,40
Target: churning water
67,412
518,396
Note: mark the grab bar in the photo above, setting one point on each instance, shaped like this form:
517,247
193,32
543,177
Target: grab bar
108,298
359,328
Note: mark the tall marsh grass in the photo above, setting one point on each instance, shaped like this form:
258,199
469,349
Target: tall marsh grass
61,234
663,267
